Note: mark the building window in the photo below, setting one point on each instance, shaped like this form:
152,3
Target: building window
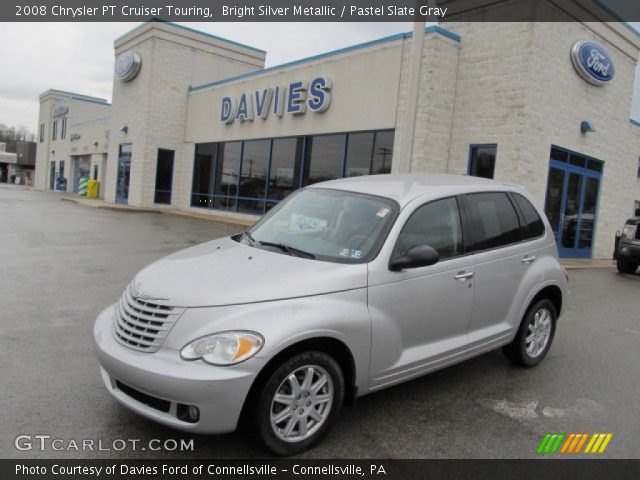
164,176
254,175
368,153
203,169
54,133
284,170
41,132
323,158
382,152
63,128
227,173
61,170
359,154
482,160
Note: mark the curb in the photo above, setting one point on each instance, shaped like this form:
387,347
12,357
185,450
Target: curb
178,213
587,266
249,222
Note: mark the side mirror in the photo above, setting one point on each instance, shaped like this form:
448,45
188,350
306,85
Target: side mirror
637,212
418,256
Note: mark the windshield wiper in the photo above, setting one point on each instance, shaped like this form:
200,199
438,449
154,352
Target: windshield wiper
285,248
295,252
247,235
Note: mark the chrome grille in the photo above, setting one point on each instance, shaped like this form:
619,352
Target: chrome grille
143,324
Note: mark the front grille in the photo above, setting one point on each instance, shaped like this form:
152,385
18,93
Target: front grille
141,324
152,402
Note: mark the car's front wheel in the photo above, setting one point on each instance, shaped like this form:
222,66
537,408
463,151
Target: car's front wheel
626,267
534,337
299,402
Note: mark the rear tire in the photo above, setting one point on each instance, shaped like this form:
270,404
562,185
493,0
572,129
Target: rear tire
299,402
535,335
626,267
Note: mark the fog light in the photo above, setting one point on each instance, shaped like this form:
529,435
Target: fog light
193,413
188,413
624,250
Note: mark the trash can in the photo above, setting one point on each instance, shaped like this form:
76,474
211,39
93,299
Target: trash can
82,186
61,184
93,189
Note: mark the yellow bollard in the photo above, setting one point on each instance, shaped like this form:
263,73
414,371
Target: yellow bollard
93,188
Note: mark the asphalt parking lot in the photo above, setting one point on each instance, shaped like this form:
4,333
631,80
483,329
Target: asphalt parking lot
62,263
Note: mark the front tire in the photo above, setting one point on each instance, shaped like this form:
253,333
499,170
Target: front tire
534,337
626,267
299,402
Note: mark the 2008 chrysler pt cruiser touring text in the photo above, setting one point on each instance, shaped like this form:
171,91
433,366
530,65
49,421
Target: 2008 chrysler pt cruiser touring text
344,288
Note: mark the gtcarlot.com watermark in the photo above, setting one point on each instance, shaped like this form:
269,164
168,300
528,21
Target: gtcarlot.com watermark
45,442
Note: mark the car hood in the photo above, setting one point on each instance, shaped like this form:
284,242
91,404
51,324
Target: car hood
225,272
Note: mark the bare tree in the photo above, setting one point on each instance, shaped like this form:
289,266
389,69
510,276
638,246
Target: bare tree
12,134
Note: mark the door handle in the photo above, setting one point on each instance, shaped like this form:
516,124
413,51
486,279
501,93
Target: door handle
528,259
463,275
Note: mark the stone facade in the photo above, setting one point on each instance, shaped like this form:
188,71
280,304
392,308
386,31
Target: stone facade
153,106
510,83
83,113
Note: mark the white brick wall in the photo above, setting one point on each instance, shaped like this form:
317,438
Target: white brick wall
511,84
516,87
435,103
154,104
85,116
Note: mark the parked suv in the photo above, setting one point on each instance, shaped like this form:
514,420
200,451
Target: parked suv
343,289
628,249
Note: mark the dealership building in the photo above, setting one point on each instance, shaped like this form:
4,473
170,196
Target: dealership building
197,123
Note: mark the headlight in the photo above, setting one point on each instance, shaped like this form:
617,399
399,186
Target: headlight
629,232
224,348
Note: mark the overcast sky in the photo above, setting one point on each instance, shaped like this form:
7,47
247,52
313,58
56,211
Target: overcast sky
78,57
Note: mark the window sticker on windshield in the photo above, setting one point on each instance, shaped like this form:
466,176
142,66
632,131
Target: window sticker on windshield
383,212
348,252
303,223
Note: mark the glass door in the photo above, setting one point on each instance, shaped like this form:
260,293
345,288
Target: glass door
52,176
124,169
573,189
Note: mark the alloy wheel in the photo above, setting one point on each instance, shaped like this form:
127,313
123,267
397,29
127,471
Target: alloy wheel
302,403
539,333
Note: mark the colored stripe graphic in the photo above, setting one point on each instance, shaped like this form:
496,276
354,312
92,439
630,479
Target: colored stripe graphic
598,443
573,443
551,442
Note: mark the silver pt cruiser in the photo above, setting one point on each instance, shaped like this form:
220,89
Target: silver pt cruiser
345,288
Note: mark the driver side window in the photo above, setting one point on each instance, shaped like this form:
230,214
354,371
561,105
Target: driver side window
436,224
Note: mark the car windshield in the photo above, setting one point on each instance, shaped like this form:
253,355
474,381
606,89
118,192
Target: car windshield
325,224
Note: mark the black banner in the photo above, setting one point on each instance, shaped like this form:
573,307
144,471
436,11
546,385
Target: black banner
317,469
318,10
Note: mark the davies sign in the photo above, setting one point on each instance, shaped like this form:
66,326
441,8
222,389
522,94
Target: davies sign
295,98
593,63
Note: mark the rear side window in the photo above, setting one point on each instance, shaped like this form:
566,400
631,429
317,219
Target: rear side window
436,224
494,220
532,224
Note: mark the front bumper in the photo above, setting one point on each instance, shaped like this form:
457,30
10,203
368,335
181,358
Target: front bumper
629,252
218,392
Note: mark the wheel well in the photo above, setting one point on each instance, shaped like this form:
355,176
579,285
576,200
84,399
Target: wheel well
338,350
554,294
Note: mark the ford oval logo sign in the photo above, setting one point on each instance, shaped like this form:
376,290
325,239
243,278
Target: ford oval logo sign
593,63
